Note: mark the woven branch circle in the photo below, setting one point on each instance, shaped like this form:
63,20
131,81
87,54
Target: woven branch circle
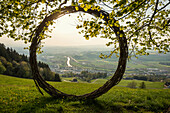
41,83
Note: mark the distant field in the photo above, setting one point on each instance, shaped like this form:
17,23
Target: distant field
20,95
124,83
88,58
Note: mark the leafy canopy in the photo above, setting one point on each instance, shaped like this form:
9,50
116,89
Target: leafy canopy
144,22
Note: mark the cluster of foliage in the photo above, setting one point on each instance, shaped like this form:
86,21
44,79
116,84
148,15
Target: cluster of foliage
14,64
85,75
132,84
142,85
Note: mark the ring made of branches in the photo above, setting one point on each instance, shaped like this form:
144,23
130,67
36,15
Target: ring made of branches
41,83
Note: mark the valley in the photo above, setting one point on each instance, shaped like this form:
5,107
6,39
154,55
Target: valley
88,59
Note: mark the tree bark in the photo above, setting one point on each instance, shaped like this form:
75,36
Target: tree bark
41,83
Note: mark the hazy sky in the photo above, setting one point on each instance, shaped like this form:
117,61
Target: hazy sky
64,34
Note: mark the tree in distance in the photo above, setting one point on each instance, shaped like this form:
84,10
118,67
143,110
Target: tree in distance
132,84
2,68
134,26
142,85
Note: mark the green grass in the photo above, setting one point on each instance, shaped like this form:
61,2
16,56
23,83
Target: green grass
20,95
69,79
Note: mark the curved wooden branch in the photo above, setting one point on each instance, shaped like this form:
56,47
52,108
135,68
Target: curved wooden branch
98,92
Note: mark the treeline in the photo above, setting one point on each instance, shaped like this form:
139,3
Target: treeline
153,78
165,63
14,64
85,75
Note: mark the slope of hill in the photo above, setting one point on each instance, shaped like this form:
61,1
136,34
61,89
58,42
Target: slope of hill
20,95
14,64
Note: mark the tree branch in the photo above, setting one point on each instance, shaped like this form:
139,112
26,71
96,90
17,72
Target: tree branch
150,37
138,30
65,1
107,5
132,10
155,11
164,6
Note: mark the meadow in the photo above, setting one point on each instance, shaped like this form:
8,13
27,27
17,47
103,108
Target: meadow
19,95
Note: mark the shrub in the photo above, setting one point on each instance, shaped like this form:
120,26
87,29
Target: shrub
2,68
132,84
142,85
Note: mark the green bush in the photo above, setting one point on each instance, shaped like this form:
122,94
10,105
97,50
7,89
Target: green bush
142,85
132,84
2,68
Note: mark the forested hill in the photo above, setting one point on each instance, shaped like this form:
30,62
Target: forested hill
14,64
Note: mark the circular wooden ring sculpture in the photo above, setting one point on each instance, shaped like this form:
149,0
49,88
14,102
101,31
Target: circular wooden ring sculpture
41,83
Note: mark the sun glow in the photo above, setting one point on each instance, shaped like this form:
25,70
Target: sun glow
64,34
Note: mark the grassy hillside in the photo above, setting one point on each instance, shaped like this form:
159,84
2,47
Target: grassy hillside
20,95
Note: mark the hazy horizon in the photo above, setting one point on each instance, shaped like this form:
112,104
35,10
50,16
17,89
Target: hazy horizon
64,34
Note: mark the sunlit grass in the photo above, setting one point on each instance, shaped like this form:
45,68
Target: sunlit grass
21,95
